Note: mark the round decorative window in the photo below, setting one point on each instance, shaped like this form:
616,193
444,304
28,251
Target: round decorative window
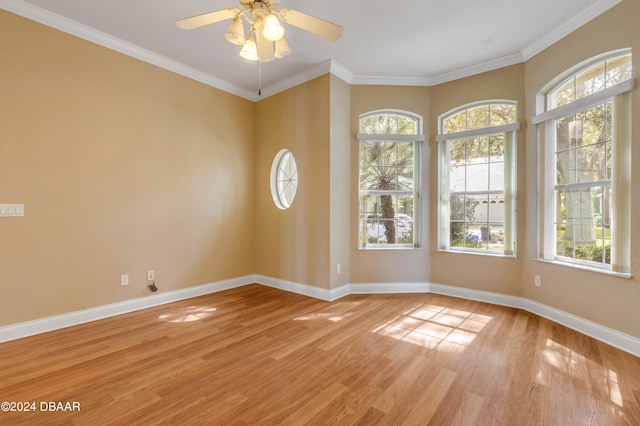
284,179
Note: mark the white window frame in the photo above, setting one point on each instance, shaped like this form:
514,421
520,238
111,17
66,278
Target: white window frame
620,182
510,132
417,140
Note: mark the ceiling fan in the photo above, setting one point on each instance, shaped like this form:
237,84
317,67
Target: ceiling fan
266,35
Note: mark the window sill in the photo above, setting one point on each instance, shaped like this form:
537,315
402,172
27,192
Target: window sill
479,253
586,268
392,248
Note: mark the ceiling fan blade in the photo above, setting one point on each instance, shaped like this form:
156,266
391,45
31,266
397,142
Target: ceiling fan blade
207,18
314,25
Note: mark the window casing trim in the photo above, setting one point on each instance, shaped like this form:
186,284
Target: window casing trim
620,183
487,131
391,138
510,132
417,139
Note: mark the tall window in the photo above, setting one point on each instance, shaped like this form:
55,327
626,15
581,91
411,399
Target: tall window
585,144
477,179
389,162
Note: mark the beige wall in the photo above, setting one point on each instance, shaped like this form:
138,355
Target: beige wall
122,167
340,231
607,300
389,266
496,274
125,167
294,244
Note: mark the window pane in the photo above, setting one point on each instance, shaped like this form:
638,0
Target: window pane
501,114
407,126
478,118
590,81
477,177
618,70
582,227
563,94
455,123
404,221
477,150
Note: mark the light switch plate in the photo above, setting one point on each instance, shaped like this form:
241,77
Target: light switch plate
11,210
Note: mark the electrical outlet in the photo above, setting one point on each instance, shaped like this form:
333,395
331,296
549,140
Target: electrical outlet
338,269
151,275
124,280
537,281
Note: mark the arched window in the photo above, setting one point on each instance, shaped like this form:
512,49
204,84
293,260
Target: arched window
389,160
584,146
477,178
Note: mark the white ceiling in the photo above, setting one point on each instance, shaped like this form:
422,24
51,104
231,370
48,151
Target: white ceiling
415,42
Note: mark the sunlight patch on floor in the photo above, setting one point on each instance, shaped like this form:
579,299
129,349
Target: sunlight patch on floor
436,327
328,316
187,314
577,366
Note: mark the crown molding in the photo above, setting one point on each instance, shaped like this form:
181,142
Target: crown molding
388,80
587,15
45,17
85,32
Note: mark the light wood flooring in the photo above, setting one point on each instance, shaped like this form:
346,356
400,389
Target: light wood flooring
260,356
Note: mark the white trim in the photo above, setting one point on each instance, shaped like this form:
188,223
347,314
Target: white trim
607,335
386,80
296,79
485,131
85,32
390,137
582,18
495,64
69,26
294,287
478,295
389,288
599,332
56,322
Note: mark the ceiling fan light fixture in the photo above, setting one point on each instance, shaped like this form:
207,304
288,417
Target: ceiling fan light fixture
249,49
282,48
235,34
273,30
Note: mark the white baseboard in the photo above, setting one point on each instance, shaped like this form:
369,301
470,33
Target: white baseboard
293,287
43,325
387,288
607,335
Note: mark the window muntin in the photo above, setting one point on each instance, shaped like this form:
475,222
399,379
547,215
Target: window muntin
388,172
477,178
585,140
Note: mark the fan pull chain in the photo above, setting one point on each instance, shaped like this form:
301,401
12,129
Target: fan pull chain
259,77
